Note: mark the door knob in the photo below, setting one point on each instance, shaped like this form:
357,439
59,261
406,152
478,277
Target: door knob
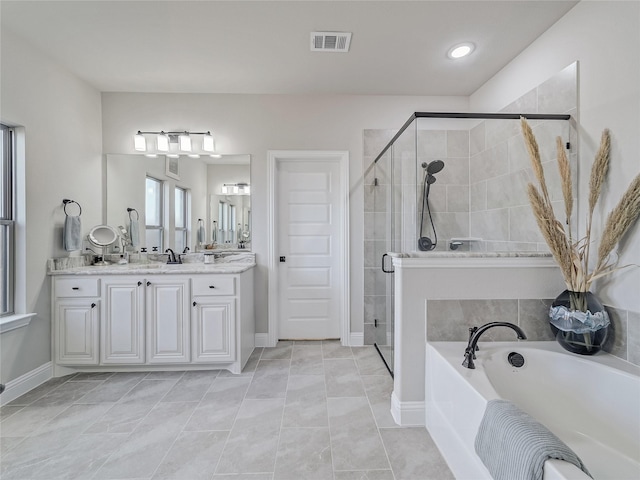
283,259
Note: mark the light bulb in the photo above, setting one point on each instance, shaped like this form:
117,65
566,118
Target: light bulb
139,142
207,143
163,142
461,50
184,140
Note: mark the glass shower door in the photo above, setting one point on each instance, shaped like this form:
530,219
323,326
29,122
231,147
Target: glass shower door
383,243
395,228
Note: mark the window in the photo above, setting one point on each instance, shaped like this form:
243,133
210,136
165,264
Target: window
154,214
7,221
181,216
232,224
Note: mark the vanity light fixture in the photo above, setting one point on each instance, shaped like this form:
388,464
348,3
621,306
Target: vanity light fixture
175,143
461,50
236,189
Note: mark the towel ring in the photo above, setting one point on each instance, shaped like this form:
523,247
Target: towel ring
133,210
66,201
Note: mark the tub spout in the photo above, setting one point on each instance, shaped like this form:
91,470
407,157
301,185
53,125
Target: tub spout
476,332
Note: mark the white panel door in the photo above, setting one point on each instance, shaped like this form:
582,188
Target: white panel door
309,220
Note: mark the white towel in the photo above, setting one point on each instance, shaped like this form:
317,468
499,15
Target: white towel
72,235
134,233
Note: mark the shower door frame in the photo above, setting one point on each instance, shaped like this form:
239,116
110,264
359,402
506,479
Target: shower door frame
405,126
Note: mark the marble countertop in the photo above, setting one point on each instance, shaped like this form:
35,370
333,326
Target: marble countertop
450,254
156,269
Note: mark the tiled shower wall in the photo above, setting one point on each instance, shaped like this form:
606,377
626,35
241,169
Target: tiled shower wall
499,172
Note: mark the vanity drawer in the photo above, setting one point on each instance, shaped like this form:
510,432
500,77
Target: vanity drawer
214,285
77,287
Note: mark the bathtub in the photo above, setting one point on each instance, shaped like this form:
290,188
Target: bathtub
590,403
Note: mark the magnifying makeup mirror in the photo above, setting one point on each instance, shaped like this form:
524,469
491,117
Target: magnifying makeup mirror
102,236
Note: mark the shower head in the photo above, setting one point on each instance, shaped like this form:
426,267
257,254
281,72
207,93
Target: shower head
434,166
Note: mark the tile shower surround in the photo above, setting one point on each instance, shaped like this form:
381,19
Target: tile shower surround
481,192
301,410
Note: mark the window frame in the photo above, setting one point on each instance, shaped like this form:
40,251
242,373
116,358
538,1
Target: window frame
8,221
183,230
160,204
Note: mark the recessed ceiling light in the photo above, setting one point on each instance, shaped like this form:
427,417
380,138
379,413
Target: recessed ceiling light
461,50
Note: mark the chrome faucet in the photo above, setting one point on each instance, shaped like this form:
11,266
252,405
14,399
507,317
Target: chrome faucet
474,336
172,257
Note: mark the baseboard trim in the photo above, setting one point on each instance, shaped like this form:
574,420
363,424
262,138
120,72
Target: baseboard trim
27,382
356,339
407,413
262,339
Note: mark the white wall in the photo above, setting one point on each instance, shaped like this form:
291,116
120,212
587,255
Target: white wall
254,124
603,36
63,134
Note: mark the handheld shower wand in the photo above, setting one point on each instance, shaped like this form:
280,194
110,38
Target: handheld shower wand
430,169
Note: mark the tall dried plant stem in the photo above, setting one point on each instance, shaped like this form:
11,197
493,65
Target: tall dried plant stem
599,171
534,155
567,188
619,220
554,235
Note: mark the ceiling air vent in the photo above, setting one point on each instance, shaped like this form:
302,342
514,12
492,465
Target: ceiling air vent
330,41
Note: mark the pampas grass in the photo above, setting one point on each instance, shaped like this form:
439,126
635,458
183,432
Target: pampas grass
573,256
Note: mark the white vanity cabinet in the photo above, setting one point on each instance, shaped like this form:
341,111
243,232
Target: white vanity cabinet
144,321
76,310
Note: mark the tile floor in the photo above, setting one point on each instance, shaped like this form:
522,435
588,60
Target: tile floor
299,411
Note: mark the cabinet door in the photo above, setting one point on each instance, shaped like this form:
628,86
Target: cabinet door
213,330
76,323
168,320
122,326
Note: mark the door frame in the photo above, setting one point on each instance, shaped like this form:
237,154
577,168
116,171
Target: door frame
273,158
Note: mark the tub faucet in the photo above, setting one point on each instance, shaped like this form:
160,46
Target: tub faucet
476,332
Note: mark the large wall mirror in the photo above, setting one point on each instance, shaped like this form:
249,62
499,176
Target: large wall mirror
201,203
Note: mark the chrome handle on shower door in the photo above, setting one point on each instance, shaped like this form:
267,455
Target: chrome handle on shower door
386,271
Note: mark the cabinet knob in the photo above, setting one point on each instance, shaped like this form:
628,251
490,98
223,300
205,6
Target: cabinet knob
212,286
75,288
93,305
148,283
194,304
139,283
